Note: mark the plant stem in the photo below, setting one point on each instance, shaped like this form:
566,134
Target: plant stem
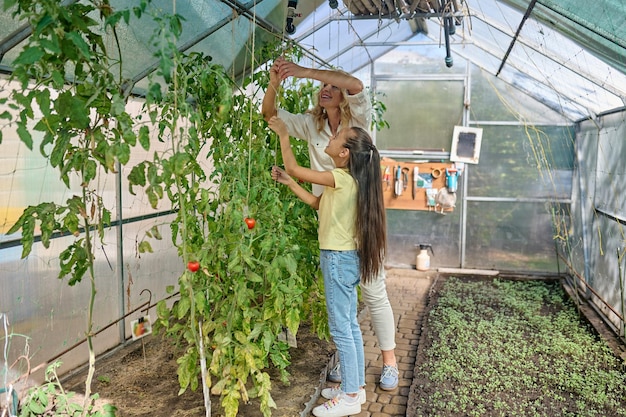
92,298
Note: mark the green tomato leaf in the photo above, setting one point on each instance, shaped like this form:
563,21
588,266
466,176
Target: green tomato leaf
156,233
186,366
123,153
29,56
144,137
90,170
254,277
79,43
184,304
25,136
137,176
293,320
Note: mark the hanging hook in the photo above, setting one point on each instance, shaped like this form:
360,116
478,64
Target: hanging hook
149,299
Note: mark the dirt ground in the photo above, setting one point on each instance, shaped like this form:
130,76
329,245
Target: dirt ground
141,380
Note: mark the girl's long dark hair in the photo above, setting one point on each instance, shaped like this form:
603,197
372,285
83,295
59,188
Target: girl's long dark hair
371,225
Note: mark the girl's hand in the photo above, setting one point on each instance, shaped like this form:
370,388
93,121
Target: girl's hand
278,126
279,175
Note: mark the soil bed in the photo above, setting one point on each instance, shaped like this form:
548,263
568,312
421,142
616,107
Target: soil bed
146,384
511,348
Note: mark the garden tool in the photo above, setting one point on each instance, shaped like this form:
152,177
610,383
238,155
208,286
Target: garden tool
387,177
398,184
431,194
405,178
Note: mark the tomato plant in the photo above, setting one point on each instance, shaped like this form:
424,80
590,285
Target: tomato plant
249,288
250,222
193,266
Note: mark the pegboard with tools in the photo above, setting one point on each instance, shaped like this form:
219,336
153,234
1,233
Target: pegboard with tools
418,185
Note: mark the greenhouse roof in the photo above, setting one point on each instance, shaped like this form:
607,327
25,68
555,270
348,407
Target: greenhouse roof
565,54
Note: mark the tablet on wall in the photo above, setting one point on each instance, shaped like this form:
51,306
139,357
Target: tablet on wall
466,144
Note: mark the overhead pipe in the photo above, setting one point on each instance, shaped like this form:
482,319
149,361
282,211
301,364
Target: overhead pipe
447,29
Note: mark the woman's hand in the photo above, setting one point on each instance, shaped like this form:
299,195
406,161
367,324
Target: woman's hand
288,69
275,77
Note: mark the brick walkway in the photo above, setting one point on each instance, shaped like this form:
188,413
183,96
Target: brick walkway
408,291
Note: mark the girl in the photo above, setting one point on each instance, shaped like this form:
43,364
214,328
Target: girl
352,238
342,102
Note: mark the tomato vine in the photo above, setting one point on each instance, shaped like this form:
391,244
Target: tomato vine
252,282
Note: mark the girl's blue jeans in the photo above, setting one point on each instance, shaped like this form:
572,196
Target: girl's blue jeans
341,277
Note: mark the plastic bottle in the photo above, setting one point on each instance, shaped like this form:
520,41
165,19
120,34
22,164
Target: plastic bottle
422,262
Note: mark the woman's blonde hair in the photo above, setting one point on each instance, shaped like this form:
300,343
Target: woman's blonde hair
319,113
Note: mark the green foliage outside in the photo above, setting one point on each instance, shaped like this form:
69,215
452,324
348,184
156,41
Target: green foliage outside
504,348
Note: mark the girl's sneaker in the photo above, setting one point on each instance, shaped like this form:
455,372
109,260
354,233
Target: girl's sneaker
339,406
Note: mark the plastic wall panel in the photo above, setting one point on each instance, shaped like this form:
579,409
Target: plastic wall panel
406,228
495,100
421,114
510,236
582,197
147,275
519,163
50,312
137,204
602,233
418,60
610,178
27,178
54,315
607,242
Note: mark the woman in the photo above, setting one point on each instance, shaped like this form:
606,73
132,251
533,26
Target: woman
341,102
352,239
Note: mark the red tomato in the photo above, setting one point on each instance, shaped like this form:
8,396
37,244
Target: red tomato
250,222
193,266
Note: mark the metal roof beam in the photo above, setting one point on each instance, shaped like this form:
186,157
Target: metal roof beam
568,65
398,17
14,39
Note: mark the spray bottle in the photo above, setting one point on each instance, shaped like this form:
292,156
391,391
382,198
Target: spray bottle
451,179
422,262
